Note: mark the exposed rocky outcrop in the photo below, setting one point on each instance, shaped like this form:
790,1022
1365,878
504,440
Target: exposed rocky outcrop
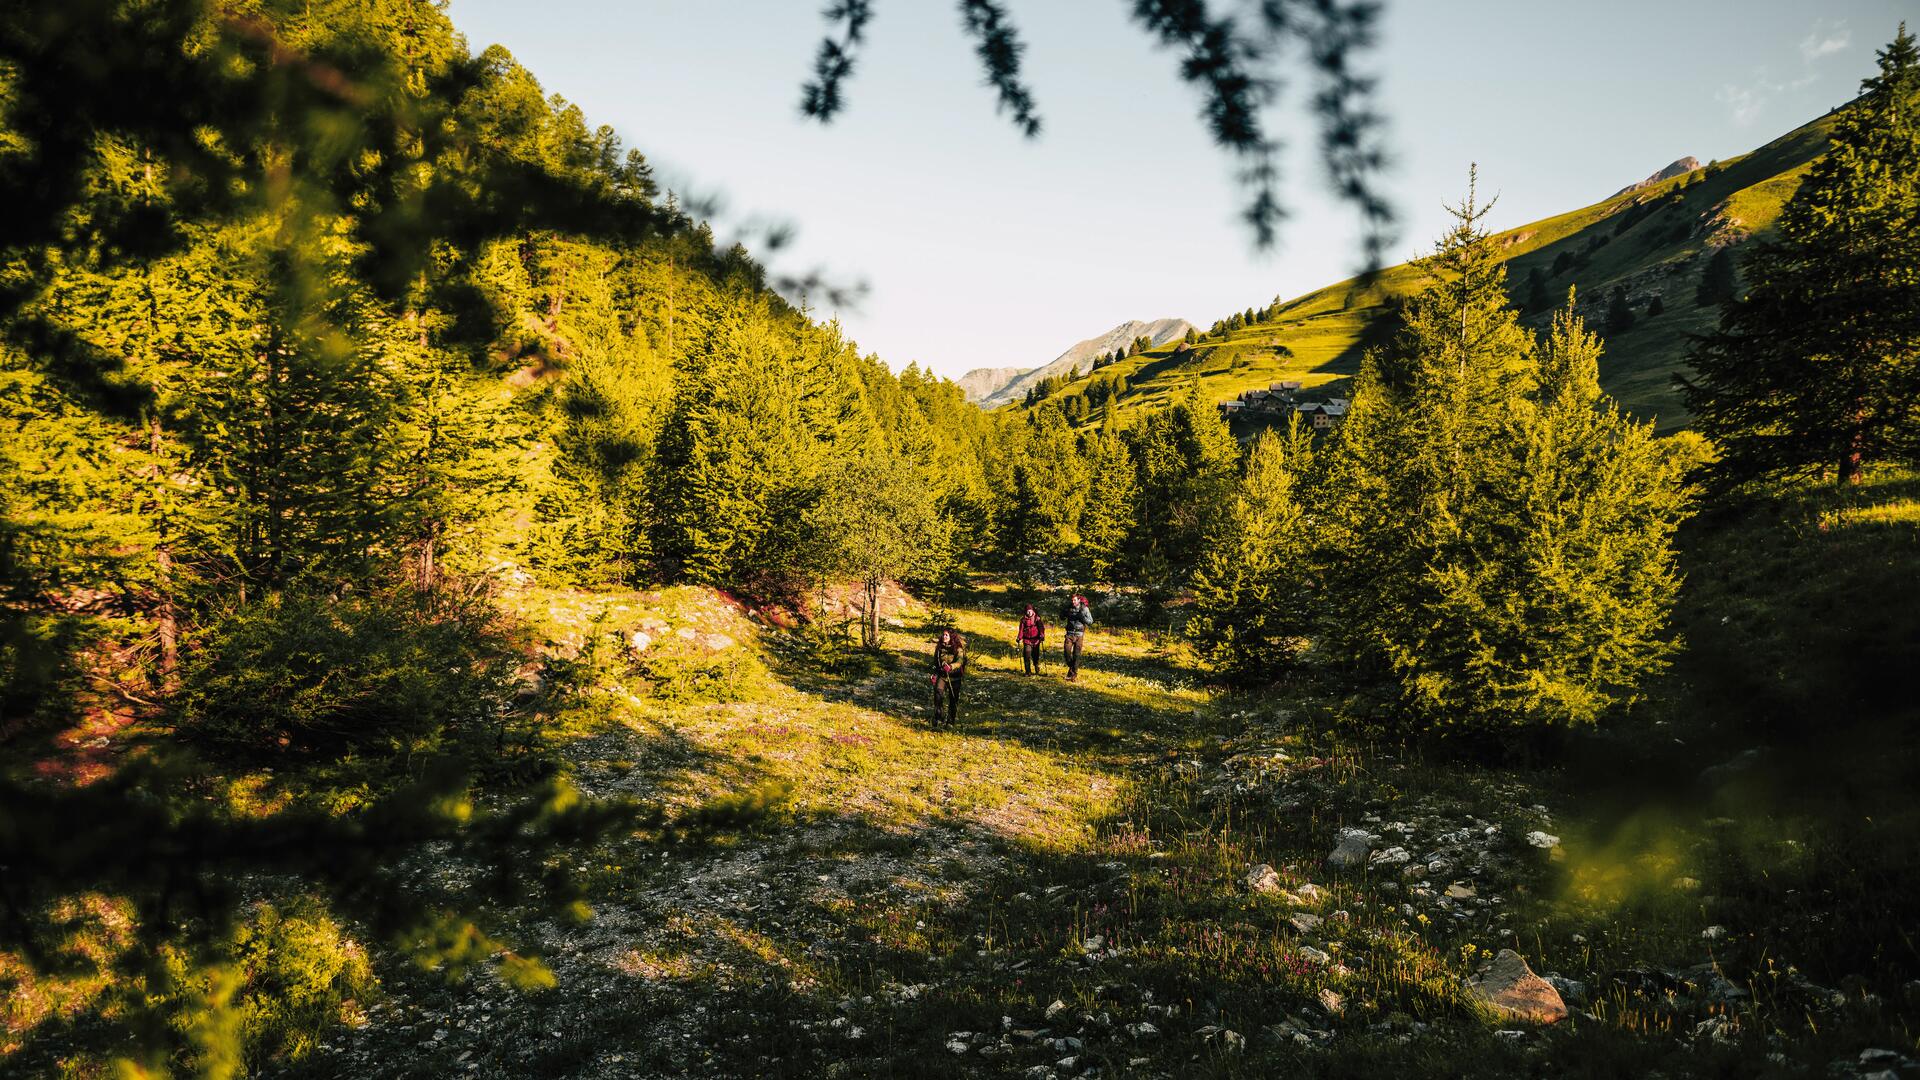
983,382
1512,990
1082,355
1684,165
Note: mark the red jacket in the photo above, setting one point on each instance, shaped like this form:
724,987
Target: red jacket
1032,629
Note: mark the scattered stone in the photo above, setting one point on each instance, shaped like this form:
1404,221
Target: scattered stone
1572,991
1352,849
957,1042
1332,1002
1304,922
1461,890
1232,1041
1310,893
1514,992
1393,856
1878,1058
1054,1010
1316,955
1713,933
1262,878
1143,1031
1543,840
641,641
1067,1045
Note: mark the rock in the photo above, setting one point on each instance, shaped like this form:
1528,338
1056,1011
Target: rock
1352,849
1262,878
1310,893
1304,922
1316,956
641,641
1543,840
1332,1002
718,642
957,1043
1067,1045
1461,890
1876,1058
1713,933
1232,1041
1054,1010
1143,1031
1393,856
1572,991
1514,992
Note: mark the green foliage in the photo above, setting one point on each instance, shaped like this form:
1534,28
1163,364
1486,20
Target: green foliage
1620,317
1503,541
393,669
1719,283
1817,369
1252,603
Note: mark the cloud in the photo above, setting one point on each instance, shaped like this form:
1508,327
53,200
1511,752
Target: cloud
1824,40
1746,102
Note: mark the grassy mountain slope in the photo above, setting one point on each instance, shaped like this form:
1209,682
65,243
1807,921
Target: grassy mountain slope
1081,355
1654,241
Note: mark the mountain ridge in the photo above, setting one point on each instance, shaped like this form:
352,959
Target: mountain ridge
981,383
1649,241
1081,355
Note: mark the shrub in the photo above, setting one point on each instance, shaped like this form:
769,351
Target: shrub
307,672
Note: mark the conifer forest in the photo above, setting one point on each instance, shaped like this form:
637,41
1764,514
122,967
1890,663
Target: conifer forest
468,609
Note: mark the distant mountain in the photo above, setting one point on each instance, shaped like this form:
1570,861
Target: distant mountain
1679,168
980,383
1652,241
1082,354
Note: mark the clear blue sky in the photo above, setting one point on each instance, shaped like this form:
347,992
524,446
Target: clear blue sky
982,248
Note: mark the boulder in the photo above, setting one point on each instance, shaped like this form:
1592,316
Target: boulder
1352,850
1514,992
1304,922
1262,878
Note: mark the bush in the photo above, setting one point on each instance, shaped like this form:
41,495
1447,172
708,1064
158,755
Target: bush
285,978
306,672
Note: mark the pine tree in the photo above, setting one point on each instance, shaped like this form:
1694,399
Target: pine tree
1186,460
1718,283
1817,369
1410,478
1656,306
1538,297
1112,504
1620,317
1574,617
1252,612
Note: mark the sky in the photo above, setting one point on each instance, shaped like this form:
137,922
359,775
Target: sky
981,248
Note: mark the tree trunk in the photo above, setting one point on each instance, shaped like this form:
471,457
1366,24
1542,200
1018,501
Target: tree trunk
166,614
873,613
1853,458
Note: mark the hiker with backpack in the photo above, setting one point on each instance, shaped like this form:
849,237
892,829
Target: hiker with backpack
1031,633
1078,618
949,667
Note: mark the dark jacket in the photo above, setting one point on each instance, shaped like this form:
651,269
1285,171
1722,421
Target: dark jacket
1078,619
953,657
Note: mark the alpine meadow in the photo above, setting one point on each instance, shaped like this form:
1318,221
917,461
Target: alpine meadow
469,609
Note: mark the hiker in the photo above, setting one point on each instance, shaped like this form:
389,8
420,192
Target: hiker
949,667
1032,632
1079,616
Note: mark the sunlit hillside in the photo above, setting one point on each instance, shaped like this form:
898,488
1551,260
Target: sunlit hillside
1654,242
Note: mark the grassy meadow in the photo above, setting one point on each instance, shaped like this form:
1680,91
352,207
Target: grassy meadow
1058,885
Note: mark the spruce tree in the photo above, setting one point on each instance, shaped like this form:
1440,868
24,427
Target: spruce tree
1817,369
1252,612
1620,317
1573,618
1538,297
1718,283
